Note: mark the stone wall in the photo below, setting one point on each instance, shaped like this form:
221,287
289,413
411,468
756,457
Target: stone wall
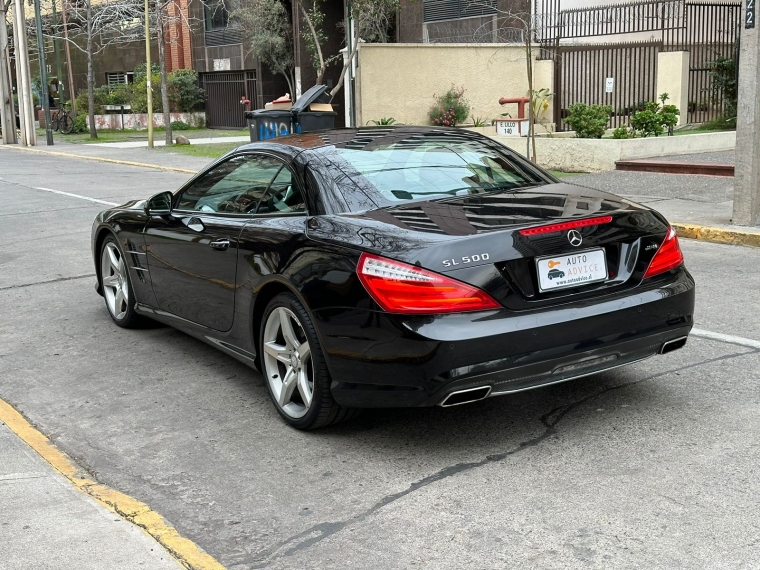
139,121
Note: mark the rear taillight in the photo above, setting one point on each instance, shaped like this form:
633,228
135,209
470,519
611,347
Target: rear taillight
668,256
402,288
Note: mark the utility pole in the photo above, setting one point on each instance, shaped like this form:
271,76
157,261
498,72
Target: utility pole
149,71
57,51
43,72
747,170
23,81
7,113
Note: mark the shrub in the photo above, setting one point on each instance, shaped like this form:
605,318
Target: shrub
80,123
654,119
450,109
588,121
383,121
180,126
622,132
185,95
723,84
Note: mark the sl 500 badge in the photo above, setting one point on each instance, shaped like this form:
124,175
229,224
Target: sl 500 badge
466,259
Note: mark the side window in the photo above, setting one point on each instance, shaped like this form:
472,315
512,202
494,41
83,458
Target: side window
283,197
234,186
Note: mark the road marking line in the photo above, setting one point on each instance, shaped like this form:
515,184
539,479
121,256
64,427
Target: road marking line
748,342
102,159
76,196
185,551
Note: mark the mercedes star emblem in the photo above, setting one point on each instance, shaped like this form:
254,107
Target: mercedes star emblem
575,238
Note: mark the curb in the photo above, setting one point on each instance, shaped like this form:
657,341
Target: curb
102,159
186,552
668,167
717,235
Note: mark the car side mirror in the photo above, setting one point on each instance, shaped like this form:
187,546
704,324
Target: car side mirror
159,205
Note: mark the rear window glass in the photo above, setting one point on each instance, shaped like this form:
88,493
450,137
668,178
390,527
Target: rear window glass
412,170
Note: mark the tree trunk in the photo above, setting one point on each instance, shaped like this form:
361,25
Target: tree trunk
315,37
90,74
531,114
290,87
162,68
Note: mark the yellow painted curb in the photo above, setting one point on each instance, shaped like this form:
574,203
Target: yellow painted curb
102,159
717,235
186,552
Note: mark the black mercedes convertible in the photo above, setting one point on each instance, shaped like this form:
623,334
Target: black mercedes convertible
396,266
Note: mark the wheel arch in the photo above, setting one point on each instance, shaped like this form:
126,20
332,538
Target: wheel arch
102,233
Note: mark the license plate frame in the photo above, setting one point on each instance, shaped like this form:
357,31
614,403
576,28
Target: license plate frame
596,275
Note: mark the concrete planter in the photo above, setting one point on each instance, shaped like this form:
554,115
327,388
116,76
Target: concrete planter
139,121
597,155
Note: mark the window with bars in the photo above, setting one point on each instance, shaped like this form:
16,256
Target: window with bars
116,78
438,10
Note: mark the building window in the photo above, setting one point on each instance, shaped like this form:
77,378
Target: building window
216,16
117,78
437,10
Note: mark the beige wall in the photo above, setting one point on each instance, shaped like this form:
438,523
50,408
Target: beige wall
400,80
673,79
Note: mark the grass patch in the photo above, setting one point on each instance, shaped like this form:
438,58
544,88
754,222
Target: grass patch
560,174
214,150
132,135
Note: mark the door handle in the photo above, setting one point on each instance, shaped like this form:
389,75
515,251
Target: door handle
220,244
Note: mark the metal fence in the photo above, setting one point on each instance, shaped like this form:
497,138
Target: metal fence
223,92
619,75
706,30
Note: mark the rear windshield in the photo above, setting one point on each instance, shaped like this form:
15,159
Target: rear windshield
430,169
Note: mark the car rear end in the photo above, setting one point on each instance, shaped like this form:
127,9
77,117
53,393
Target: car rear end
474,295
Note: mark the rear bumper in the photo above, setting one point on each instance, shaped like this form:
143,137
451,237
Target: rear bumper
382,360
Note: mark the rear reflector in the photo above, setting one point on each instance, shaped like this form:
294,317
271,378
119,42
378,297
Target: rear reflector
668,256
562,226
402,288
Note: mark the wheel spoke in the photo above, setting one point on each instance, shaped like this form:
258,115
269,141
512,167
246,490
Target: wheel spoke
288,385
303,386
111,281
119,301
304,351
286,325
277,351
112,258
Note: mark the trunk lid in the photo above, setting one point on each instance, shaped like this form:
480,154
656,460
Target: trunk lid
477,238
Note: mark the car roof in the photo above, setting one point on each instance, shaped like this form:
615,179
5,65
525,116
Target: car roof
362,137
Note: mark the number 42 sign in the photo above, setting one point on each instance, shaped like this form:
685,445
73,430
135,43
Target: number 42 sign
749,15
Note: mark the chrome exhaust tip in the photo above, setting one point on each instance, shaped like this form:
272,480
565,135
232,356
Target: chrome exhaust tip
672,345
465,396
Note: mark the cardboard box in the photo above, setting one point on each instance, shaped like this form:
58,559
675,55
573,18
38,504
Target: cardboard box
320,107
283,106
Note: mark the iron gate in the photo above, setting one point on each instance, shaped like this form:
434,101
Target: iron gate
706,30
582,74
223,92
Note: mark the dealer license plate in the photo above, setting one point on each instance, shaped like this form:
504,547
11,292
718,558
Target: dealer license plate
571,269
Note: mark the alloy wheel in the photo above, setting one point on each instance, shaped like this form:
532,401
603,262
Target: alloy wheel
113,271
288,363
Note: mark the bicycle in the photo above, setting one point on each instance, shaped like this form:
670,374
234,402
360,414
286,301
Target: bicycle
61,120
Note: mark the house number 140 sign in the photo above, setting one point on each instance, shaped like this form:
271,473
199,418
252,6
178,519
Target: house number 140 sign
749,15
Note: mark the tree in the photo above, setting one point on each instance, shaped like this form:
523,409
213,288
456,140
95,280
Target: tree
92,27
266,25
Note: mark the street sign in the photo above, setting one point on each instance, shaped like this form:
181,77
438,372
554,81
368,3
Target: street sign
512,128
749,15
609,84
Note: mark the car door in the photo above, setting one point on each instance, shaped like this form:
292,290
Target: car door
192,252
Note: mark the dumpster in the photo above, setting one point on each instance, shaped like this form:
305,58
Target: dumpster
312,112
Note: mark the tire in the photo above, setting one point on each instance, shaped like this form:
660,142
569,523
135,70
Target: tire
116,285
306,402
55,123
66,124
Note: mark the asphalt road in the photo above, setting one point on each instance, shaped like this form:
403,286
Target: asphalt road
650,466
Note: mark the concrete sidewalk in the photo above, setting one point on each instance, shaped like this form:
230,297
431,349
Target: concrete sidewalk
157,142
46,523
